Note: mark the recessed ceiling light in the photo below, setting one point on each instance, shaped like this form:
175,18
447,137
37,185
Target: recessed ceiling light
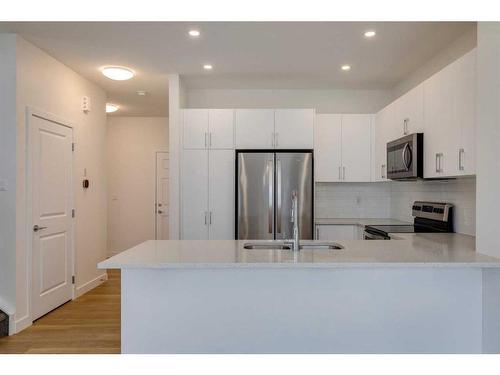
370,33
118,73
110,108
207,67
194,33
345,67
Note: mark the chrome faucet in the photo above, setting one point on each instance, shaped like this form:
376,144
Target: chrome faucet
295,220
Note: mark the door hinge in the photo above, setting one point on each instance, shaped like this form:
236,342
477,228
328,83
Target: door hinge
72,279
72,212
73,146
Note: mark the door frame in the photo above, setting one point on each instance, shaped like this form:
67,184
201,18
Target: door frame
155,195
32,111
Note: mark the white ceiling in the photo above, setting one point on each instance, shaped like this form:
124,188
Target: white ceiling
244,54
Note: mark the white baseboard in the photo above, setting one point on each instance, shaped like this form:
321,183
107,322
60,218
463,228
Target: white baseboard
16,326
89,285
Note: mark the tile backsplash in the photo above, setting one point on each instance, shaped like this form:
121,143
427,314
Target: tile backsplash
394,200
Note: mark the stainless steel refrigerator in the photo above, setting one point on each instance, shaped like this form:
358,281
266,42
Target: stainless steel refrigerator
265,180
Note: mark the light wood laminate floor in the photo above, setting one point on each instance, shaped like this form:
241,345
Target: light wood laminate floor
89,324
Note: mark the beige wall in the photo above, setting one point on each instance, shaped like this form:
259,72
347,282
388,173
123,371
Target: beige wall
325,101
8,172
131,146
48,85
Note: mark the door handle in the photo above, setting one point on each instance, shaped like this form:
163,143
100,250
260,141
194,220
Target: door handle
270,197
278,198
160,211
460,153
36,228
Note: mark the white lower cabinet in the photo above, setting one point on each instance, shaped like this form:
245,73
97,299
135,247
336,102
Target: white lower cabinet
208,194
337,232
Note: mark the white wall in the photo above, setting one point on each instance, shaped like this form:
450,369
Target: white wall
446,56
131,160
394,200
8,172
325,101
488,138
47,84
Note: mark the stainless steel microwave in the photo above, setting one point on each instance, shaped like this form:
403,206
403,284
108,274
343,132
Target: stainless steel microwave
405,157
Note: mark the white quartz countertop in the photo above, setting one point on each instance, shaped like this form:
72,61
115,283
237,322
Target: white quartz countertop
358,221
404,250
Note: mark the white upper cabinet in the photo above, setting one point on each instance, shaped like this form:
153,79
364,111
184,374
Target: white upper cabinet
343,148
195,128
293,128
383,126
409,112
449,116
208,128
254,128
328,148
356,148
221,128
465,113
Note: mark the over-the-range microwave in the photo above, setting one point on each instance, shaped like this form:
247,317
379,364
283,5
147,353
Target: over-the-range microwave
405,157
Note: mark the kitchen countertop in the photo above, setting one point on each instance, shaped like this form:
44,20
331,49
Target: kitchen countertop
404,250
359,221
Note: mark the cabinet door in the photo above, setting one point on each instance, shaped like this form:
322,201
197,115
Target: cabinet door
254,128
382,125
327,148
194,194
440,133
336,232
294,128
195,129
221,194
410,112
465,113
221,128
356,148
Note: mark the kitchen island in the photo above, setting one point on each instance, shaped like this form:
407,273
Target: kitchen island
418,293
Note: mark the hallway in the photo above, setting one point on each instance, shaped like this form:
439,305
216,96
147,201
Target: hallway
89,324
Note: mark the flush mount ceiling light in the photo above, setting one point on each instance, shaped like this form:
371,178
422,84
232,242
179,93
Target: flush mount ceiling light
194,33
345,67
110,108
142,93
370,33
118,73
207,67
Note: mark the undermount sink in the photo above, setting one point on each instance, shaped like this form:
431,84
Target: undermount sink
321,246
281,246
266,246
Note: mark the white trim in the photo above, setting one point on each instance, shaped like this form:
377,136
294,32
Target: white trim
29,112
89,285
155,199
16,326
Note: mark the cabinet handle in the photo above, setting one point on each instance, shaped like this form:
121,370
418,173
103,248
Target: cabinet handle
205,217
437,158
272,140
317,233
340,173
405,126
276,142
460,165
205,139
210,139
210,218
343,173
439,164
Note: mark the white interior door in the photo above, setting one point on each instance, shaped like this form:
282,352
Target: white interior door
50,172
161,213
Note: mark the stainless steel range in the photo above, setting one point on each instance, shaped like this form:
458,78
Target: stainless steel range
428,217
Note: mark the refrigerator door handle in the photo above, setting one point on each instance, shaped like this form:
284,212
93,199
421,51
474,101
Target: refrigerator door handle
278,198
270,186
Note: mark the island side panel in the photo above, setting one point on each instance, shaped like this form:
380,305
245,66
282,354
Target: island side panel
333,310
491,310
